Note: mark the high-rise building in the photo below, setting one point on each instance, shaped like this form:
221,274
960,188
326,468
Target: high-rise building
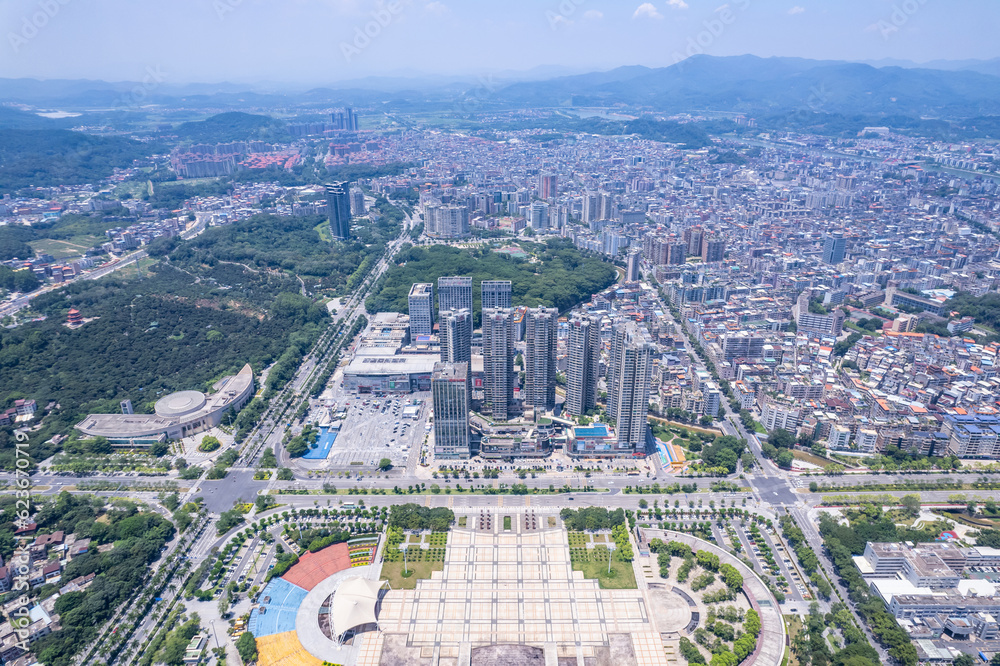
834,247
540,358
539,216
357,202
633,272
446,221
421,310
607,207
547,185
450,395
345,120
338,209
693,237
454,293
629,375
496,294
713,249
591,207
677,253
584,351
455,331
498,360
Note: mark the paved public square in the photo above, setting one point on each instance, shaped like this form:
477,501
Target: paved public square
516,587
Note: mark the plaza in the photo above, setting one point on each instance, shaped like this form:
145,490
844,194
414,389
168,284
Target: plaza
506,593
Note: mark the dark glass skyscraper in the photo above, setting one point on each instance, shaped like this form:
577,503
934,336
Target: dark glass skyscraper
338,208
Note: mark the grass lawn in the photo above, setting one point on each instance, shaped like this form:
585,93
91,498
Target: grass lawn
74,247
810,458
506,522
622,574
793,624
393,572
759,428
414,538
323,229
462,520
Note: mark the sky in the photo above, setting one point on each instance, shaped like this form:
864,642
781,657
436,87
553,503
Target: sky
315,42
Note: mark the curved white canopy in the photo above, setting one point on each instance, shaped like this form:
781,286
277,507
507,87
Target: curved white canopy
354,604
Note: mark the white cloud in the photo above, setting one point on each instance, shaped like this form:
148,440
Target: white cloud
677,4
647,10
796,10
437,8
593,15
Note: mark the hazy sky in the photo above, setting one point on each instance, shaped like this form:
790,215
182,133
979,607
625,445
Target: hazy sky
317,41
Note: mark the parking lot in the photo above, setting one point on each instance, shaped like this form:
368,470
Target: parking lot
376,427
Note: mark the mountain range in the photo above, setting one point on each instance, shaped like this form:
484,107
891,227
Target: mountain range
744,84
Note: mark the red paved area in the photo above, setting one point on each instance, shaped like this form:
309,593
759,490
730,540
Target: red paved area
315,567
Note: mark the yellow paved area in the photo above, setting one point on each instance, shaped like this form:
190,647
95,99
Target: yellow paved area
284,650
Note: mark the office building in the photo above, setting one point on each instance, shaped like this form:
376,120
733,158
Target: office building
498,361
540,358
539,216
421,309
338,209
713,250
455,331
833,248
454,293
450,395
633,272
584,351
496,294
629,375
357,202
547,186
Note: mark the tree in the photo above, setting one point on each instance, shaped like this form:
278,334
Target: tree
971,507
911,504
209,444
963,660
781,438
247,647
384,464
223,605
285,474
785,459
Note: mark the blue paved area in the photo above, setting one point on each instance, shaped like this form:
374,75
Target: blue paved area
320,449
279,616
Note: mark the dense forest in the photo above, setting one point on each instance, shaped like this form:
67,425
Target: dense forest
170,331
33,158
232,126
561,278
272,243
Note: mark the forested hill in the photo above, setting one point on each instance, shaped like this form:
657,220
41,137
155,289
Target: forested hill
561,278
147,338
